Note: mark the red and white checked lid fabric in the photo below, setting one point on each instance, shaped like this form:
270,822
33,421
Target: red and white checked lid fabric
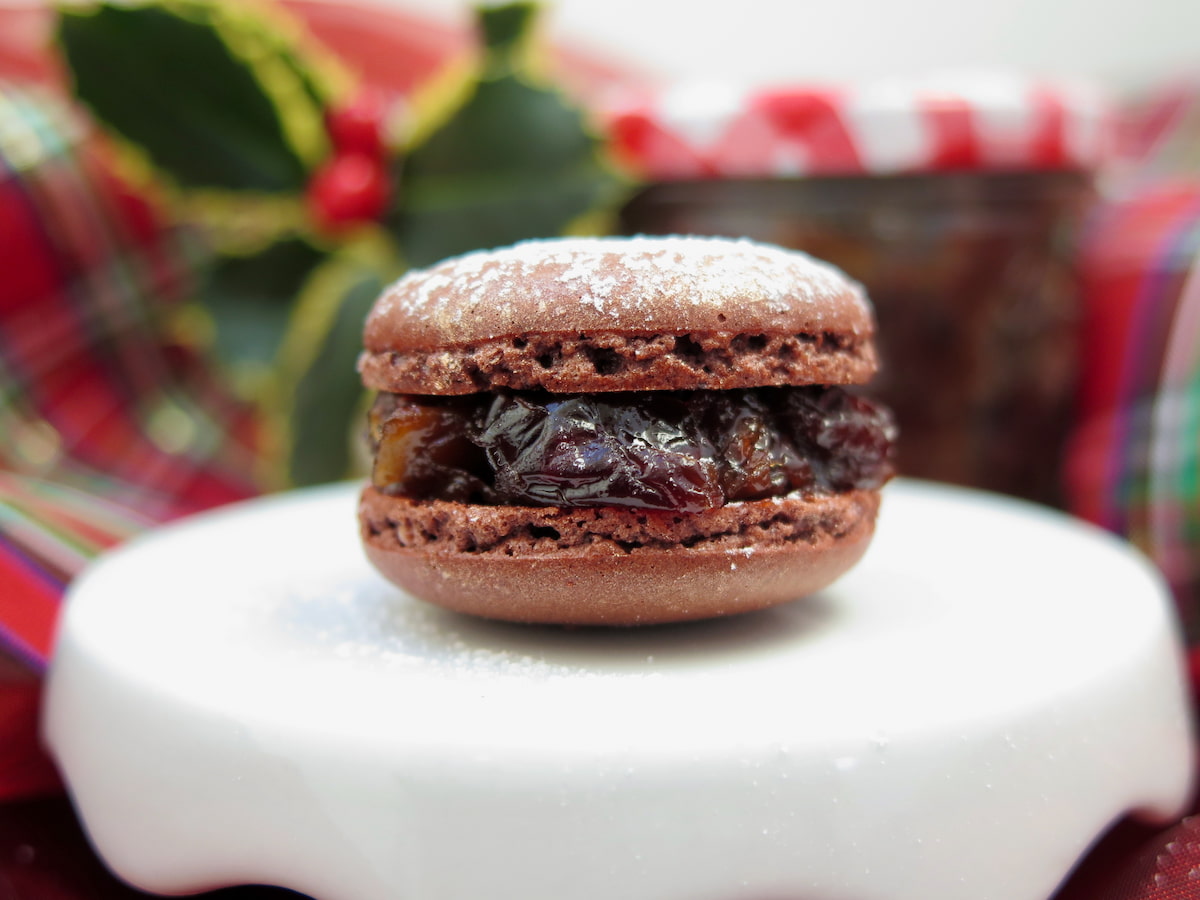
994,123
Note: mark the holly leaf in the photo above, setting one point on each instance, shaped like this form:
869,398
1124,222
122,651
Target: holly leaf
320,394
507,31
172,86
249,299
515,160
327,398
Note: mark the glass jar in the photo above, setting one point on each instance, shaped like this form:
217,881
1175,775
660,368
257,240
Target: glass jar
956,211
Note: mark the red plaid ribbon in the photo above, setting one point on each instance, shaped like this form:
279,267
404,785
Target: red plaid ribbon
48,532
1134,462
93,394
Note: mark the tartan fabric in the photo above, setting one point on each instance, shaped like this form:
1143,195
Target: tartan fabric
1133,464
94,394
48,532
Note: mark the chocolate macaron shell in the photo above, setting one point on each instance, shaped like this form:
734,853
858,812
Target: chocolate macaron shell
452,557
596,314
617,314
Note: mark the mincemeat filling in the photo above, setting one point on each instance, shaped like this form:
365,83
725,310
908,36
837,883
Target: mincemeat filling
678,451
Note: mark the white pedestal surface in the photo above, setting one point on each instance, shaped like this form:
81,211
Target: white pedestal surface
239,698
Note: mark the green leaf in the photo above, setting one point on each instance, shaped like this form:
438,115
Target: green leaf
506,29
318,392
249,299
172,87
327,406
514,161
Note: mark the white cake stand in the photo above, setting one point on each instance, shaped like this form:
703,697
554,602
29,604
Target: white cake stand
239,698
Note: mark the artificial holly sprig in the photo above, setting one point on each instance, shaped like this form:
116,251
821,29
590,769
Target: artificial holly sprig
249,131
509,158
354,184
218,105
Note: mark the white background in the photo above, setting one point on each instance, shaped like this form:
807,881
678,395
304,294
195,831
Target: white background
1119,44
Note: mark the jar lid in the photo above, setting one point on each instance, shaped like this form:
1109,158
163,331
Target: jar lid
992,123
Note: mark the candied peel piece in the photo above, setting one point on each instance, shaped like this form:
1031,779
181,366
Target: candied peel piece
424,450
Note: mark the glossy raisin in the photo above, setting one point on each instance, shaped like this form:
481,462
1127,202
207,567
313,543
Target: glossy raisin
755,457
643,451
677,451
847,438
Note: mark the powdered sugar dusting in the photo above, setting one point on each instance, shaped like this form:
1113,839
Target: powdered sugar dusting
637,281
366,625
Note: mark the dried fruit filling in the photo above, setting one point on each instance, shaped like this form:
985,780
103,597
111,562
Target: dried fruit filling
681,451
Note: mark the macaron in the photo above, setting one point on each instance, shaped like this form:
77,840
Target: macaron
621,431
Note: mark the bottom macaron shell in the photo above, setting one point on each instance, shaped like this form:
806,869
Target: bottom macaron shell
647,585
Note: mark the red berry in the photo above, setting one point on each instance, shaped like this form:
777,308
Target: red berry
357,127
348,189
1193,664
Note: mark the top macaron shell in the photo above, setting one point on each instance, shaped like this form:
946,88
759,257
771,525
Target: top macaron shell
619,314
